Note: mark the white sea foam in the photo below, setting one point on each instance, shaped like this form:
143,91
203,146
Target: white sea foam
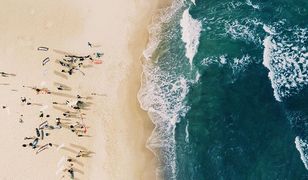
284,57
187,132
197,78
208,61
161,95
268,46
223,59
191,31
269,30
194,2
244,30
249,3
237,64
302,147
233,5
155,29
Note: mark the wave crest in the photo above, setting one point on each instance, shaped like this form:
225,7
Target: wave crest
302,147
191,31
287,61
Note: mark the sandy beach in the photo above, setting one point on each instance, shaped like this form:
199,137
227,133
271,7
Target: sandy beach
117,129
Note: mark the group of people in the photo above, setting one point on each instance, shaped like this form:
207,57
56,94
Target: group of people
73,119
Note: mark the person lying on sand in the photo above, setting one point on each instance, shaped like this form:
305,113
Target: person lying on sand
83,153
42,91
66,114
70,71
75,104
38,90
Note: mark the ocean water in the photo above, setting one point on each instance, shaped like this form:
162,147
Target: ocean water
226,84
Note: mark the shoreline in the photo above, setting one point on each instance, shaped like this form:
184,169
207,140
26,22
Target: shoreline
142,35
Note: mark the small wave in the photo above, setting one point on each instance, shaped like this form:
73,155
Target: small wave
302,147
187,132
237,64
155,29
193,1
249,3
245,30
285,57
269,30
268,46
232,5
223,59
191,31
197,77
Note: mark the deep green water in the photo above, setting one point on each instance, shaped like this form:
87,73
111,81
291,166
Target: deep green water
223,117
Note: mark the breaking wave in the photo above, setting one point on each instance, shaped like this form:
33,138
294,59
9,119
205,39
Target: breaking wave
302,147
286,57
249,3
162,94
191,31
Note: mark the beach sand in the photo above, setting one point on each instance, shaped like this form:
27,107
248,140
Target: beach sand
117,128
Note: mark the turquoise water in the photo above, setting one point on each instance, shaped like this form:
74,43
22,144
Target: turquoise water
225,83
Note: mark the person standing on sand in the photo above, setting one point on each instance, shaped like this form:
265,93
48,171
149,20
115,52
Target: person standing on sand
60,87
71,171
20,119
89,44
